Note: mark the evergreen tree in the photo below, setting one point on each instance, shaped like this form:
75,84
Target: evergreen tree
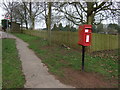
67,28
55,27
73,29
114,27
60,27
100,28
94,29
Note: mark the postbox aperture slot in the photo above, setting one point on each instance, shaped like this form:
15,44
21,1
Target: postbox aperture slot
86,30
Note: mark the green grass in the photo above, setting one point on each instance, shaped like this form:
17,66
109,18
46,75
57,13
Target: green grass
0,63
11,66
57,58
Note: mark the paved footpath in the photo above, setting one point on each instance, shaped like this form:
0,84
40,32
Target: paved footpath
36,73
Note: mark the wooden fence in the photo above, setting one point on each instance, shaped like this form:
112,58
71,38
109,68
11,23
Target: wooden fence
99,41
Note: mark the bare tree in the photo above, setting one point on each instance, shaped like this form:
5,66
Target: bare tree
88,12
56,16
9,7
16,11
21,15
34,10
50,16
25,12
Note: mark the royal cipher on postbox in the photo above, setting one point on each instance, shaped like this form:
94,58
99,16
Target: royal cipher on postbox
85,32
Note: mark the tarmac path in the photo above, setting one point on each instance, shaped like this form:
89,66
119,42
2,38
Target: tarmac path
36,73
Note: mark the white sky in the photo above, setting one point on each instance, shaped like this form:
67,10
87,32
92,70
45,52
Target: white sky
42,25
1,13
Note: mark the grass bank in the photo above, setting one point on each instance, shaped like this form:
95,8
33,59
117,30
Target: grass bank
12,74
57,58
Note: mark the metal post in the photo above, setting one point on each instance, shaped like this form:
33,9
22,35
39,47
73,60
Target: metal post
83,55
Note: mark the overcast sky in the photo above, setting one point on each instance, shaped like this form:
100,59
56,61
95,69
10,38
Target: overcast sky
42,25
1,13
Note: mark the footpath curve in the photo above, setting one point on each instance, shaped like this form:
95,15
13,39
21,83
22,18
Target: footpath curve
36,73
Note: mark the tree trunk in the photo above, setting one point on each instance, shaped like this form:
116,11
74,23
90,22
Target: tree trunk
26,23
49,22
31,17
46,17
21,24
46,21
90,19
11,19
90,13
33,23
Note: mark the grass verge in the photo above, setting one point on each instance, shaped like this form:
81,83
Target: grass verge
12,74
0,63
57,57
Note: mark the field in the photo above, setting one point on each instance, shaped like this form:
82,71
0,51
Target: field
12,74
66,64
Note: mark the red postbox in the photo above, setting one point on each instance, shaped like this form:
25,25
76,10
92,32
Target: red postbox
85,35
